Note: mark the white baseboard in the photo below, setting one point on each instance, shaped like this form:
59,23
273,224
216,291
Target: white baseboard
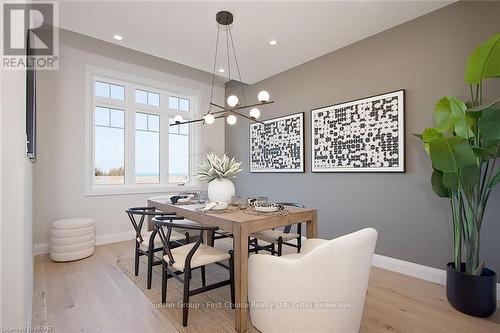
43,248
114,237
409,268
416,270
40,248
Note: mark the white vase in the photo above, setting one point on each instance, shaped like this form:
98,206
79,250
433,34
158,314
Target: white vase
221,190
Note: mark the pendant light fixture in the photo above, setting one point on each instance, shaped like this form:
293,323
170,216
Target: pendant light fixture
234,107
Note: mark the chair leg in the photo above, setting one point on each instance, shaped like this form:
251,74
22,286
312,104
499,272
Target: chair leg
185,298
164,278
136,272
273,249
299,240
231,277
150,266
280,246
203,277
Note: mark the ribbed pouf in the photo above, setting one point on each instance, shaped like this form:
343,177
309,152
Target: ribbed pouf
72,239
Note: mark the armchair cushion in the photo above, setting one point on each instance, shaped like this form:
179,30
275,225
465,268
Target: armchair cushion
321,289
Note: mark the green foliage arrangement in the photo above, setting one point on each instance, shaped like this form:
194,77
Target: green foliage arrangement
215,167
464,147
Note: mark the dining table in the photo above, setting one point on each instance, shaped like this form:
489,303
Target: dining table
241,224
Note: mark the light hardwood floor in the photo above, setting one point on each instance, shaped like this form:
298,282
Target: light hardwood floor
95,295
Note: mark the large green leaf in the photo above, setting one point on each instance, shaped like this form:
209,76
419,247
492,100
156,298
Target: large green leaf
484,62
470,175
491,149
438,186
449,114
467,176
489,124
449,154
451,180
494,104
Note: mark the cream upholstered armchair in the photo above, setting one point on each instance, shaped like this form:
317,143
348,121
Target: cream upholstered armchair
321,289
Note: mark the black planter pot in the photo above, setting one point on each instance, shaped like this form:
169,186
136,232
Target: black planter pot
472,295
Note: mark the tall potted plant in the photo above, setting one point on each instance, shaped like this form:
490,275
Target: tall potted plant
464,147
218,172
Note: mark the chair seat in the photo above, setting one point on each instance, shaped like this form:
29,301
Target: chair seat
204,255
175,236
272,236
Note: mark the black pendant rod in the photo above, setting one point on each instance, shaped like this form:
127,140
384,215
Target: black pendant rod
239,107
234,111
194,121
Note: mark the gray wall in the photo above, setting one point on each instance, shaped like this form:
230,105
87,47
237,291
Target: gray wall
426,57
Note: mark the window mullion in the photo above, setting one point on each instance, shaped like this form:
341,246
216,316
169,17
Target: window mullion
129,137
164,127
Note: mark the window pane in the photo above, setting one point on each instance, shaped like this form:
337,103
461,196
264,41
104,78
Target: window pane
118,92
183,104
109,152
101,89
183,129
153,123
101,116
173,103
153,99
178,158
147,152
117,118
141,121
141,96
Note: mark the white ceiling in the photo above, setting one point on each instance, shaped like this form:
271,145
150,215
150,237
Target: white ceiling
185,32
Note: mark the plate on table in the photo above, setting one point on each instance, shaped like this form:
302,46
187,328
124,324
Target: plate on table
266,209
216,205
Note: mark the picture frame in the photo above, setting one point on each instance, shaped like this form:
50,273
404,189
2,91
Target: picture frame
362,135
281,148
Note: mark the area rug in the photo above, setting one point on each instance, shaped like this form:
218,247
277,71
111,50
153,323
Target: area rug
209,312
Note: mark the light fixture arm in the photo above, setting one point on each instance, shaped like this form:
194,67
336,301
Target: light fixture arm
235,112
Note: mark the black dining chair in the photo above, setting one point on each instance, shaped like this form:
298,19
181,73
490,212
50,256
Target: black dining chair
277,238
185,258
146,243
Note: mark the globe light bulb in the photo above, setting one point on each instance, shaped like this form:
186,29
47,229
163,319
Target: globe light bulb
232,101
178,119
255,113
263,96
231,119
209,118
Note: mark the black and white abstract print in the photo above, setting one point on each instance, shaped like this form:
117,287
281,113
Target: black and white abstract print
363,135
278,145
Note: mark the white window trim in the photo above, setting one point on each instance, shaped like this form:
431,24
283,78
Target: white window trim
165,89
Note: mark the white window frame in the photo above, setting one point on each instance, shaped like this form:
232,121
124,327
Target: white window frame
132,82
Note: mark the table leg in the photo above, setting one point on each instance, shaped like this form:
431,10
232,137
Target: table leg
210,238
149,219
312,226
240,238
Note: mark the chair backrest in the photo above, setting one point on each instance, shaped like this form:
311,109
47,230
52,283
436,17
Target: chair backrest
142,212
332,278
162,222
288,228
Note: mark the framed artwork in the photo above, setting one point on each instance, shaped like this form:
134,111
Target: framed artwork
277,145
364,135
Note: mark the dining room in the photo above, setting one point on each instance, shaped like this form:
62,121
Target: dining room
239,166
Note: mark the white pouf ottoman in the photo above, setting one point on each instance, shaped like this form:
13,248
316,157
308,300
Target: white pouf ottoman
72,239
